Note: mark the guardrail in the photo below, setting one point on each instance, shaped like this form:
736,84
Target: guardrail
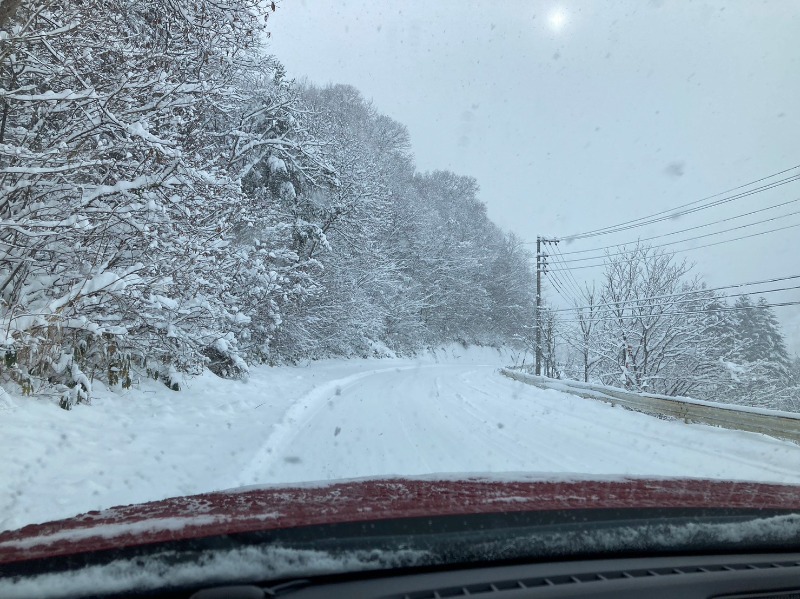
782,425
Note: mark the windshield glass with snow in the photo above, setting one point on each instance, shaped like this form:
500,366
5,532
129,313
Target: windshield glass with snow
256,243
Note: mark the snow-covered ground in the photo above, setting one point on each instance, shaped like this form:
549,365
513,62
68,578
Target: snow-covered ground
442,413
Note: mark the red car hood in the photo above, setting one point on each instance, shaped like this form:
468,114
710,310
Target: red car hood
275,508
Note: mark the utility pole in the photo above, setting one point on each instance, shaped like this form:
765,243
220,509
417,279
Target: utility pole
541,268
538,306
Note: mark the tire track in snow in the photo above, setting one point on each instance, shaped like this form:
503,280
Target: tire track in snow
543,451
505,447
410,441
299,414
508,445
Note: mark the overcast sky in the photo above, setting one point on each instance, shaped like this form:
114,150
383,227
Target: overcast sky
580,114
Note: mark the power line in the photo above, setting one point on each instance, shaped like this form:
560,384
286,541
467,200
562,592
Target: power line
674,215
555,279
698,247
557,283
671,212
682,301
685,293
716,222
563,294
686,313
568,274
704,235
569,278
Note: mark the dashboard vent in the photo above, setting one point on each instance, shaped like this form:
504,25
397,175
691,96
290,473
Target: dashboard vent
551,581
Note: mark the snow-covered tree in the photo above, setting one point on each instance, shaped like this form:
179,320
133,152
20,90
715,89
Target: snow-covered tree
582,337
758,366
359,277
116,205
653,333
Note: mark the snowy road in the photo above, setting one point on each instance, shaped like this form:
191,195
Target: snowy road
455,418
343,419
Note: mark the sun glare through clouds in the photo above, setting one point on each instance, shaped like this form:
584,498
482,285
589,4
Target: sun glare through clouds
557,18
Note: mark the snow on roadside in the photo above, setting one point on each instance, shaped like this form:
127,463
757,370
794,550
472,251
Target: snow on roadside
150,443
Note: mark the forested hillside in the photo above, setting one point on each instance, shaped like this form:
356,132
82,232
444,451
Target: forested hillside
172,200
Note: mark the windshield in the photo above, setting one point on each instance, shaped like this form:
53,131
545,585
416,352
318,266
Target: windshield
256,243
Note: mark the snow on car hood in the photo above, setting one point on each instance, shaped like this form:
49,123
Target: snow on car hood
269,508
